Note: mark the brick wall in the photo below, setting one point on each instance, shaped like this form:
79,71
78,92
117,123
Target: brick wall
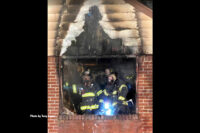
78,124
53,95
93,125
145,92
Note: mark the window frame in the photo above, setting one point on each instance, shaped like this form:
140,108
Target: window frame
62,116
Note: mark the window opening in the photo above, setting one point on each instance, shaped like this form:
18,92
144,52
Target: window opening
104,86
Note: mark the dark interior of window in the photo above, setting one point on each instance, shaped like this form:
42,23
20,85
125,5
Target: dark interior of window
102,97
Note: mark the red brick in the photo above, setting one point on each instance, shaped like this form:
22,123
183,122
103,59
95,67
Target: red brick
54,80
144,90
50,76
53,95
54,85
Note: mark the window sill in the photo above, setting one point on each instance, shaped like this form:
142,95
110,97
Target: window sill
98,117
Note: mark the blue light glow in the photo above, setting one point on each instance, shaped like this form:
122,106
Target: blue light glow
108,112
106,105
106,109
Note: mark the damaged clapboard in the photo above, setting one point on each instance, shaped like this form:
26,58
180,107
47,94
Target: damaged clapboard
93,41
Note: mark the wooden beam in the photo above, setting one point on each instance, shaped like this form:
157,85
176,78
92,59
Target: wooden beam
113,2
98,57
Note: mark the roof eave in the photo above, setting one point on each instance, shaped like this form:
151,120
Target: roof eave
140,7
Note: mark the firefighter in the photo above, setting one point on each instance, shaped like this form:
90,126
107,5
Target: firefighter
89,104
121,102
108,94
110,91
75,91
67,100
116,91
107,73
103,78
66,86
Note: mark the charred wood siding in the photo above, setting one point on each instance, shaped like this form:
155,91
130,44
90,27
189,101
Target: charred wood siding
118,21
144,15
145,25
93,40
54,9
68,16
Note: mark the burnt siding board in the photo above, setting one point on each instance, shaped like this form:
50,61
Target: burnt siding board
68,15
94,41
76,2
